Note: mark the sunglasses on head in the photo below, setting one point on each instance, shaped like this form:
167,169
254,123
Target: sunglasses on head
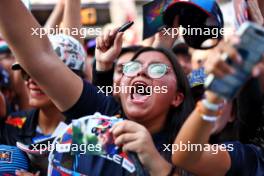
154,70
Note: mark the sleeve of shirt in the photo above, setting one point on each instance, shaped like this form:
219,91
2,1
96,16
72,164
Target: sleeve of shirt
91,101
102,78
246,159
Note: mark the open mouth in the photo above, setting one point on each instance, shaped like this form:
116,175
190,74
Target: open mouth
36,92
140,91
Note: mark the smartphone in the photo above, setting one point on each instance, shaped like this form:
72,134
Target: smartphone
251,49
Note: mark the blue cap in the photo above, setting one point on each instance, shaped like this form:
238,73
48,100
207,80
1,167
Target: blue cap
204,14
197,77
12,159
196,13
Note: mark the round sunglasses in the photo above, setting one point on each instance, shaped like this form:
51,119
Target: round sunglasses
154,70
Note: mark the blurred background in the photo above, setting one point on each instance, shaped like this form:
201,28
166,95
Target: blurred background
98,13
105,14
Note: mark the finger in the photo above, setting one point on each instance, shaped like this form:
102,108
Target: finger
219,73
213,59
107,38
102,45
118,41
97,43
113,32
124,127
132,147
252,9
225,68
258,69
232,54
234,40
125,138
252,5
119,128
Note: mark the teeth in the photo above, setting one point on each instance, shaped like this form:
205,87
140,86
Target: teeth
37,91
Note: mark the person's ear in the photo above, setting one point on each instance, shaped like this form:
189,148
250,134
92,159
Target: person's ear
177,100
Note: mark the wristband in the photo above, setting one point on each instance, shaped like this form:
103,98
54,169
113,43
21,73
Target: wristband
210,119
203,113
211,106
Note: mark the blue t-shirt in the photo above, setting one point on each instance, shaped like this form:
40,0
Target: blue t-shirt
246,160
90,102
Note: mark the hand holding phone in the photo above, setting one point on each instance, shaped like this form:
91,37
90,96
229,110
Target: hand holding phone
251,49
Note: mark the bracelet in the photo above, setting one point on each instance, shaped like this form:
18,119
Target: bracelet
203,113
173,168
211,106
210,119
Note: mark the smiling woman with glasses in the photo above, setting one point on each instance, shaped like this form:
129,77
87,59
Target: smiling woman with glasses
151,120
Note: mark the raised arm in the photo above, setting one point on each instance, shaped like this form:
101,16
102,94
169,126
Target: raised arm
205,162
56,16
72,17
36,55
199,126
